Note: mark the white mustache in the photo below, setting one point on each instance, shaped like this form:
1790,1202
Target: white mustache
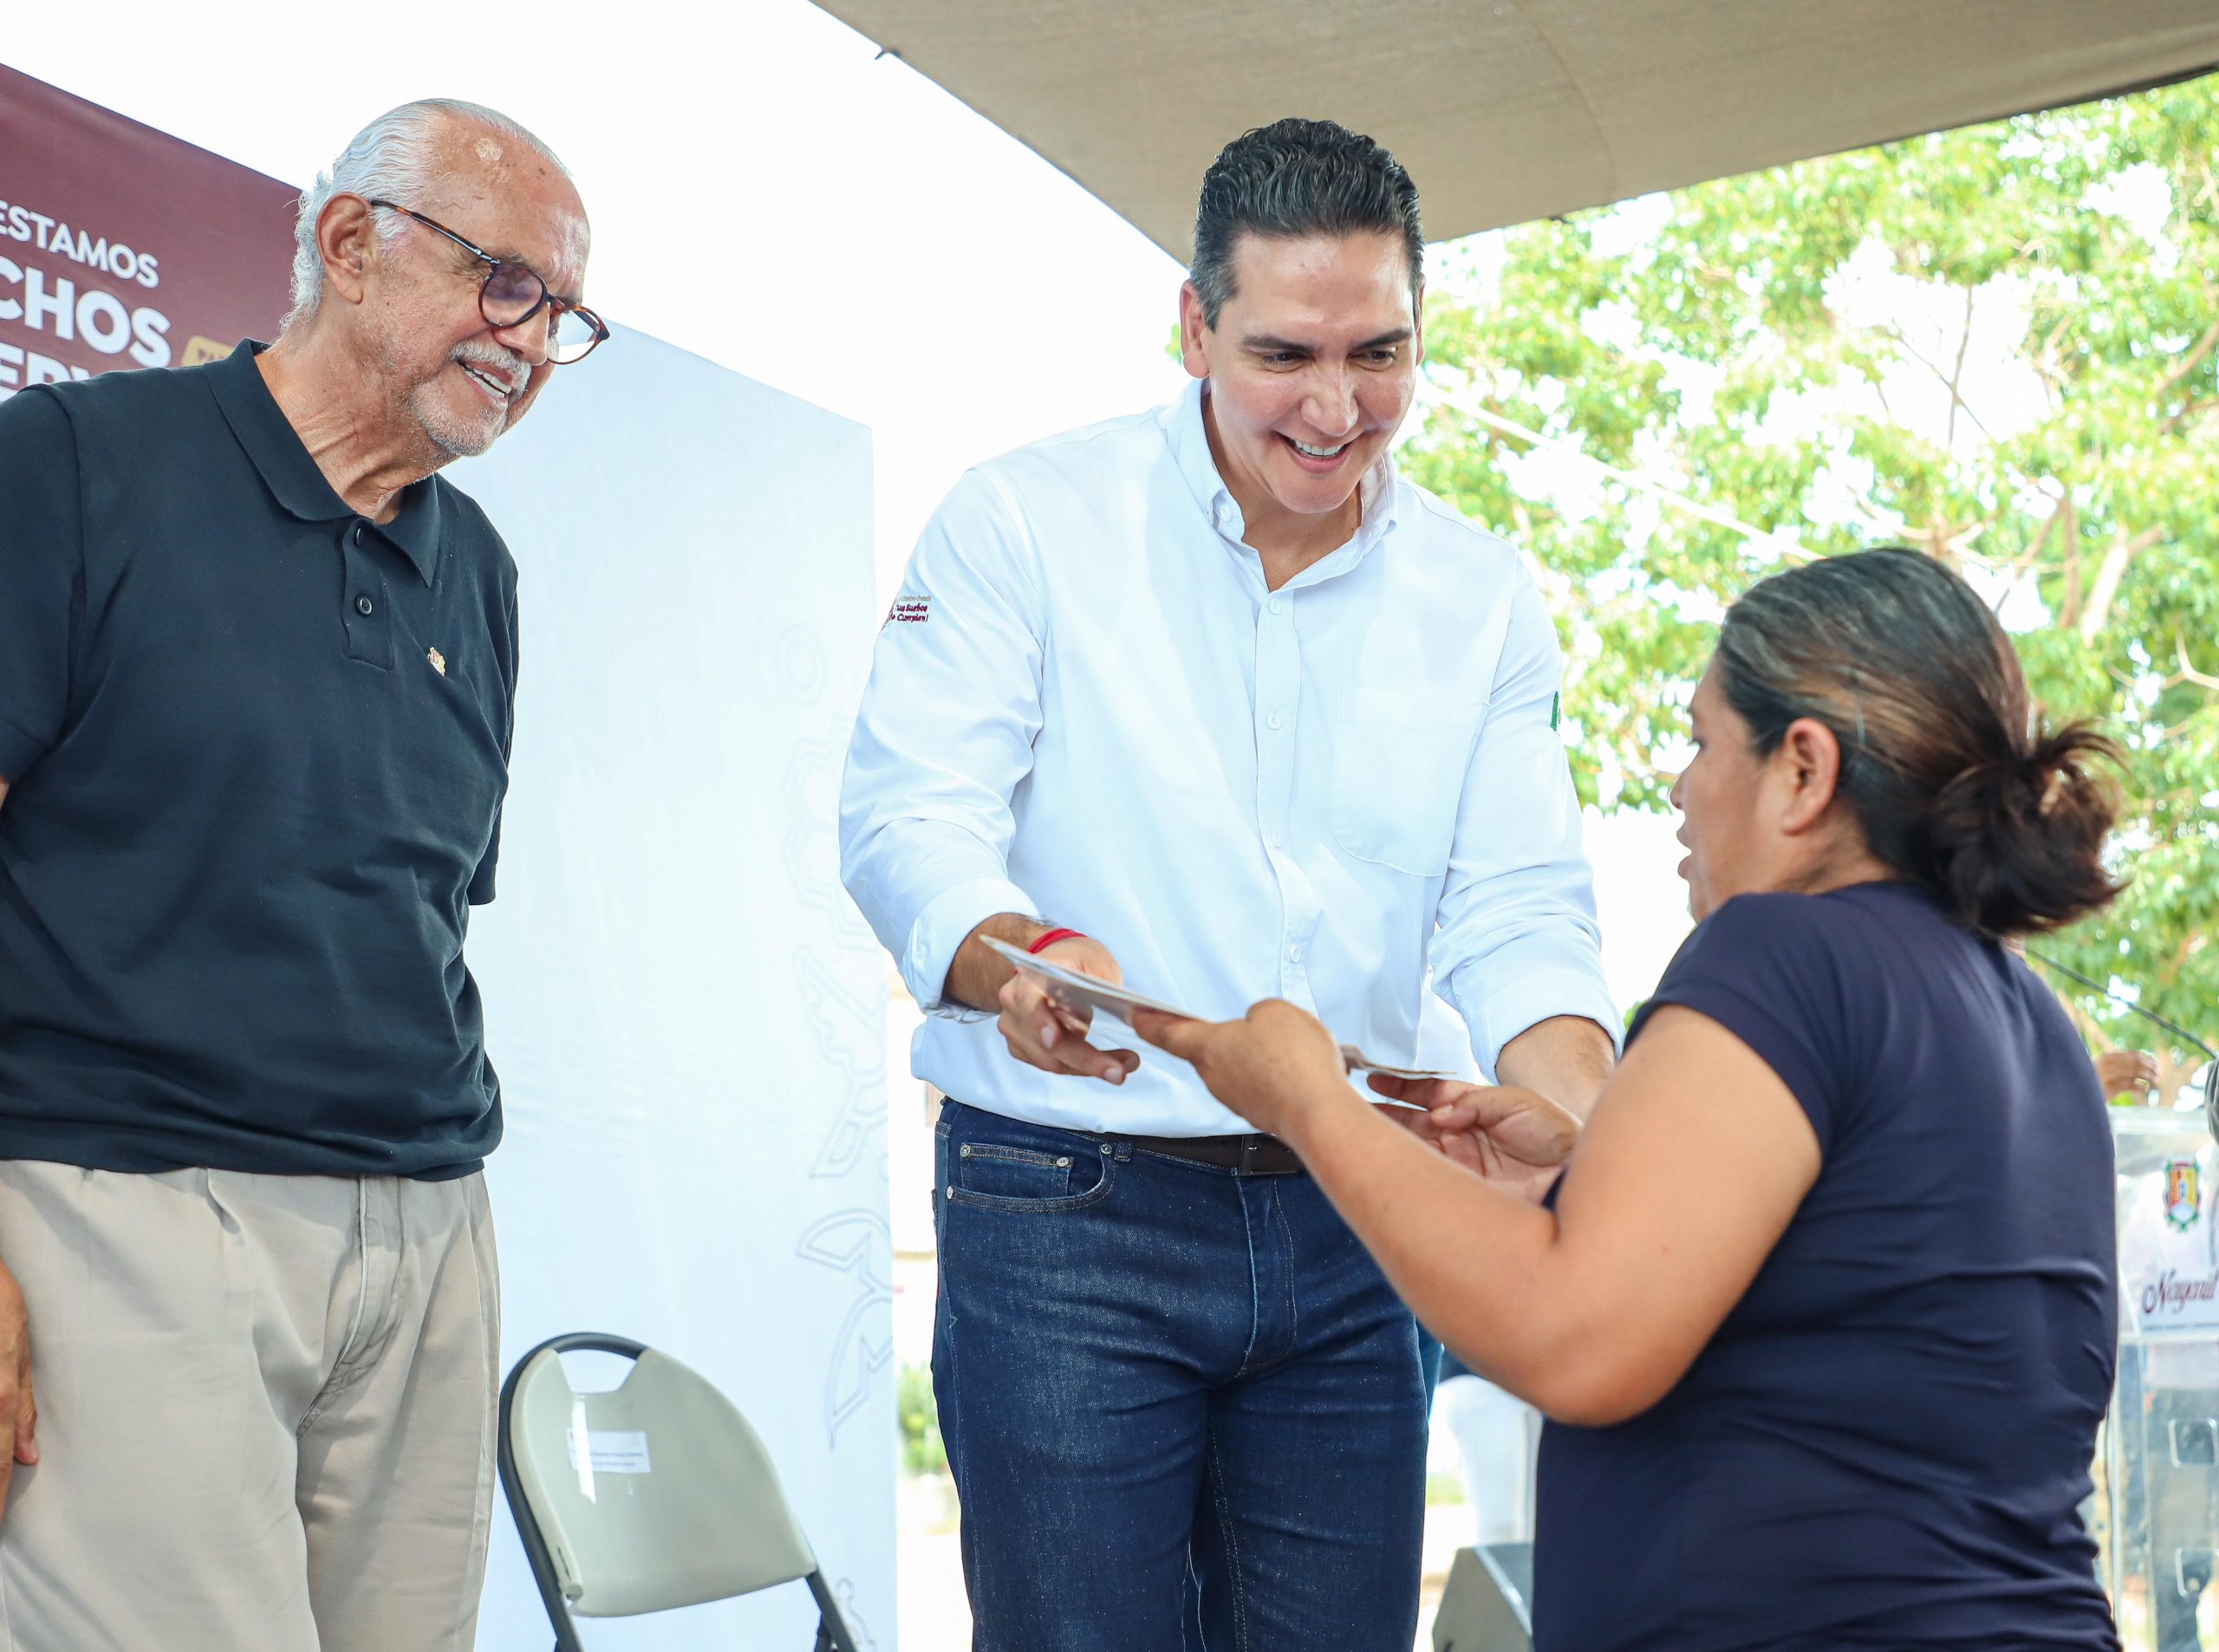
504,364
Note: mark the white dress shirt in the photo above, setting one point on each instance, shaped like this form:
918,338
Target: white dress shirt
1085,706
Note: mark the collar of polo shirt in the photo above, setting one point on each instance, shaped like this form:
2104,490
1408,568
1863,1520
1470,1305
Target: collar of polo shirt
290,472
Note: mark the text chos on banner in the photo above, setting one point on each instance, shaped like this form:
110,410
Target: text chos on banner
123,247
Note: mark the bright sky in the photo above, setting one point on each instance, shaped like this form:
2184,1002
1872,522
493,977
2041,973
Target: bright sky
766,193
763,193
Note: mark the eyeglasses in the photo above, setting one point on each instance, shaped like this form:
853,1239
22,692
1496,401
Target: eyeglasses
510,294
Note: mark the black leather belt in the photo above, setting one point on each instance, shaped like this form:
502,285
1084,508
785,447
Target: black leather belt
1250,1155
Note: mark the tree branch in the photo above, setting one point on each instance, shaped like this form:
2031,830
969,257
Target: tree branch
2117,554
2072,559
2189,673
2209,195
2189,364
2032,554
1956,401
2046,362
1957,376
2191,944
2014,569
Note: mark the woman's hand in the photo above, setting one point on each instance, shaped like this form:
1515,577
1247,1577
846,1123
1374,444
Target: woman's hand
1271,1067
1516,1139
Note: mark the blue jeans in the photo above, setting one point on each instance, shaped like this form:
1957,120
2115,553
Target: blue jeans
1143,1366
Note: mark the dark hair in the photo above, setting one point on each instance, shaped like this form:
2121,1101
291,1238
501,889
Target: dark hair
1295,179
1956,787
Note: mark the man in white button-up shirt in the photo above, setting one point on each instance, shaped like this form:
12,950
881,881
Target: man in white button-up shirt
1209,700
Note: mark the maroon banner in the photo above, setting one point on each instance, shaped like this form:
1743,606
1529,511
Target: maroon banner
121,247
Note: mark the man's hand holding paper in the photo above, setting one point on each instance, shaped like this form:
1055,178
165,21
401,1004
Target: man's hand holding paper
1051,1034
1074,995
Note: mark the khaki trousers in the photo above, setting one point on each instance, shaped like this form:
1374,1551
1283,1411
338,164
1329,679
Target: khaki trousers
265,1412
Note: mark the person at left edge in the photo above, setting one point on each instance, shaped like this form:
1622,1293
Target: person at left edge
1218,686
257,672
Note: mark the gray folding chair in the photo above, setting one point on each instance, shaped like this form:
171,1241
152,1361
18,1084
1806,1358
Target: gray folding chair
653,1495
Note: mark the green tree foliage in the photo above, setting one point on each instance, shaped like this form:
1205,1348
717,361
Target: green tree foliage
917,1414
1995,344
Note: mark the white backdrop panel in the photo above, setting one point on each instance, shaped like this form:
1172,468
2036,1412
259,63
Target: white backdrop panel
687,1016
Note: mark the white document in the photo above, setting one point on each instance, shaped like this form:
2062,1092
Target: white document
1075,991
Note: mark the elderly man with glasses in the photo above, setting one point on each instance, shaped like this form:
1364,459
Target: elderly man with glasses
257,663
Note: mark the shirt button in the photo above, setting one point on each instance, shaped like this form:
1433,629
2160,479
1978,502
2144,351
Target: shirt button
1273,719
1294,955
1278,606
364,606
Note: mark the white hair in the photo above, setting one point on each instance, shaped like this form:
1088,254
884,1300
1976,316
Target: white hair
392,159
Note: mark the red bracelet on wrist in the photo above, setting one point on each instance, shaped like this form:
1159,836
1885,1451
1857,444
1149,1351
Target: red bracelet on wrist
1052,938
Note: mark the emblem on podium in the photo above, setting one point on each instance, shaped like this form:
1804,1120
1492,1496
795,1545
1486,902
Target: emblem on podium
2183,1191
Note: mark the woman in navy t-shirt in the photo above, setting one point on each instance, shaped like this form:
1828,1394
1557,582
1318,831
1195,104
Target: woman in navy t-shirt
1825,1314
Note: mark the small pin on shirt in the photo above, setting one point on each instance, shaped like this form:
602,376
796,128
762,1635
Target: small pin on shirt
438,660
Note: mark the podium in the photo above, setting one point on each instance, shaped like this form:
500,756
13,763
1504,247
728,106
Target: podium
2155,1513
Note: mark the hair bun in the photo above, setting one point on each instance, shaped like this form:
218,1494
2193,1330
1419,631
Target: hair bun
2018,839
1947,788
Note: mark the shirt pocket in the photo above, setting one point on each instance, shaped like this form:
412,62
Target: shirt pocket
1398,776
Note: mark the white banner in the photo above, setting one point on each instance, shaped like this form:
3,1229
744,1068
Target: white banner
686,1014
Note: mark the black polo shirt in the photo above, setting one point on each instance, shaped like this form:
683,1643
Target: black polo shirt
257,747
